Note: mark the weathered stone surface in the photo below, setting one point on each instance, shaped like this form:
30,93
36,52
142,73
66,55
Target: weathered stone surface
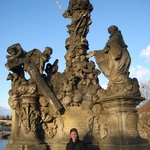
48,104
121,125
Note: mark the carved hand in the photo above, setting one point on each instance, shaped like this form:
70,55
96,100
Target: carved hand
91,53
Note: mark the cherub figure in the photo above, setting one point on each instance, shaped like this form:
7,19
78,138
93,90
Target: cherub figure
38,58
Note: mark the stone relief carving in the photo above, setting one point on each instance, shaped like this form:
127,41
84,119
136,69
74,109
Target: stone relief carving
132,125
100,126
29,115
48,117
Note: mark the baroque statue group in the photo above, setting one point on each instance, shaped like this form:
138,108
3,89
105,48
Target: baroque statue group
49,103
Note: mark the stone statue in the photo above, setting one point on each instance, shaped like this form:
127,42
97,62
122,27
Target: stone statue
114,62
15,51
49,103
32,100
39,58
79,12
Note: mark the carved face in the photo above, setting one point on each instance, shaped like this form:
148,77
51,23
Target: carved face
112,29
12,52
48,51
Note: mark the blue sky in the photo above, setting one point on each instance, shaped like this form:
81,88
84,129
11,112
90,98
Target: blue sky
37,24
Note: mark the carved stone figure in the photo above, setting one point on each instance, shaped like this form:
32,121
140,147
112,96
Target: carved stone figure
79,12
15,51
39,58
114,60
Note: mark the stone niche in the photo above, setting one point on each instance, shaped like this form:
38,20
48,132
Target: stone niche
48,104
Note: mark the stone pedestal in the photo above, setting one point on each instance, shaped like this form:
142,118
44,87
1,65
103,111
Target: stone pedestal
24,128
121,125
74,117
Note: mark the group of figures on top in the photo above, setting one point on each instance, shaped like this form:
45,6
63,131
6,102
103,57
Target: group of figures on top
113,60
78,84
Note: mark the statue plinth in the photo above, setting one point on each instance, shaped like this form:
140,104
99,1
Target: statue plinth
121,120
26,117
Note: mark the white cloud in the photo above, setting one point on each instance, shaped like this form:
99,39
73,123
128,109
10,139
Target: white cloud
146,53
141,73
104,86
